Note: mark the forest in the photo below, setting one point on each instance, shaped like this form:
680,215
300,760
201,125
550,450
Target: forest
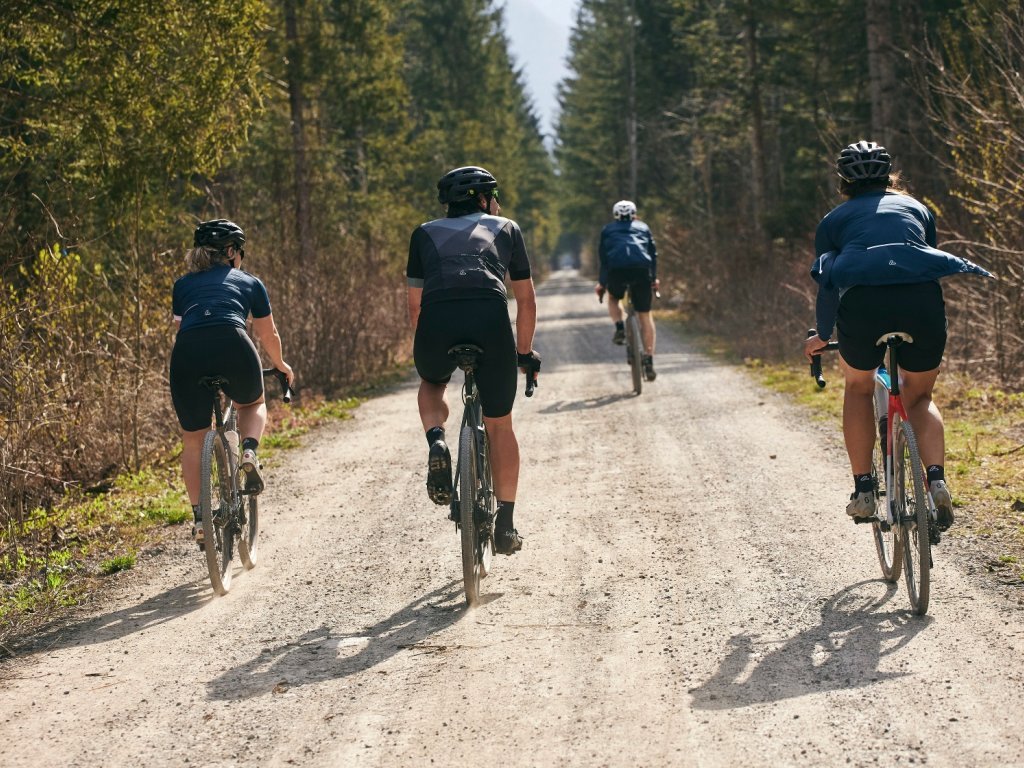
321,127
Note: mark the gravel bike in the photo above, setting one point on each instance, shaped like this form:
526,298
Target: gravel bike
634,341
905,521
474,504
230,513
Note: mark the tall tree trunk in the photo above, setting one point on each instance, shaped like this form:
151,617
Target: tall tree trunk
303,229
631,122
881,71
757,163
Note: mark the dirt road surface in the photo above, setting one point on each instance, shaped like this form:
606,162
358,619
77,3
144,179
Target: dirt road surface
690,593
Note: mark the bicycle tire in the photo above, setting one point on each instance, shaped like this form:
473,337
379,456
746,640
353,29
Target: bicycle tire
635,351
887,543
913,507
215,502
248,539
485,533
467,501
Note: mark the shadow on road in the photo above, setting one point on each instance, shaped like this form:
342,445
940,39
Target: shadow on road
842,652
322,654
150,613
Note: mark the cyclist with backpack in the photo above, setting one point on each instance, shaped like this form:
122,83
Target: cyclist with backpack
456,277
629,260
877,271
211,305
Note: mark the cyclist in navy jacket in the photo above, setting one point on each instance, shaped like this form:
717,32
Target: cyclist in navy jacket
629,260
877,271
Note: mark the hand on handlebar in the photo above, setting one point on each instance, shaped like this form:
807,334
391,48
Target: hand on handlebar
529,364
814,346
599,290
656,288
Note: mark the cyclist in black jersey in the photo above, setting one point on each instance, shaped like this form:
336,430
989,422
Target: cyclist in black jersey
456,276
211,305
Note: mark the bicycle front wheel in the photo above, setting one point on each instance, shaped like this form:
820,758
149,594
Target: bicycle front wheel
215,499
635,352
912,505
887,545
468,484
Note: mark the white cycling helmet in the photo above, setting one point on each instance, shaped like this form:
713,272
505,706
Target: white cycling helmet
624,210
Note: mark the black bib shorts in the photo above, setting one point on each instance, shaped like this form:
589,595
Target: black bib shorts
866,312
483,322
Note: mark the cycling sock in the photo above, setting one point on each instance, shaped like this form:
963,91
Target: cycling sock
197,514
863,484
935,472
620,325
434,434
504,521
250,443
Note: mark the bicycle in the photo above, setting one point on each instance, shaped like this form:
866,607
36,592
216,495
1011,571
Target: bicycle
230,513
904,524
634,341
474,504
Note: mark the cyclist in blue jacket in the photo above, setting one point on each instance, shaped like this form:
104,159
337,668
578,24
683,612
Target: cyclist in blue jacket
629,260
877,271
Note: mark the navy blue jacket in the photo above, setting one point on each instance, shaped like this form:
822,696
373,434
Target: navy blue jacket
625,245
877,238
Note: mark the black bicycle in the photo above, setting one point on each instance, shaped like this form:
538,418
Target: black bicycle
905,520
230,512
474,504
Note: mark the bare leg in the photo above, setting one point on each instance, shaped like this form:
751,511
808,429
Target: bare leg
614,310
252,419
859,418
647,329
433,403
191,456
504,456
916,389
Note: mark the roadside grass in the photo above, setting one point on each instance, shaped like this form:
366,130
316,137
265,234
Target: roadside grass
58,556
984,444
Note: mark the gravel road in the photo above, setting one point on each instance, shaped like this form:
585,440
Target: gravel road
689,593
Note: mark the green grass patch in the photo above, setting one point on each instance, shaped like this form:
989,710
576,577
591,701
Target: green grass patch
118,563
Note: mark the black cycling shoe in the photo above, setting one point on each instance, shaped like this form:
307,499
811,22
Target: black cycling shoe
439,474
649,373
507,541
619,337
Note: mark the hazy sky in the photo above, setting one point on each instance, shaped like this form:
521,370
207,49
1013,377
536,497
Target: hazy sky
538,33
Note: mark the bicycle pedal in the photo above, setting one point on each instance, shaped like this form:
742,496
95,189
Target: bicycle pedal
860,520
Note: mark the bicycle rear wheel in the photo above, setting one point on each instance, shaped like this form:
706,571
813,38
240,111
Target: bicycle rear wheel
215,498
912,504
468,483
488,506
248,540
887,544
635,352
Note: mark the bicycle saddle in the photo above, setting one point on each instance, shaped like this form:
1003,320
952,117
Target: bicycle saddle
213,382
883,340
466,355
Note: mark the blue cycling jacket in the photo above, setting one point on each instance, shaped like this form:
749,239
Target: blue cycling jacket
877,238
625,245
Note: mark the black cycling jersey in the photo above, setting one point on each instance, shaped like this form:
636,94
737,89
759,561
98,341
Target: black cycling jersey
466,257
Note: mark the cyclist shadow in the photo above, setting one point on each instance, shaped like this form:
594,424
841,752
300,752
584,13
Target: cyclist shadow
563,406
322,654
96,630
842,652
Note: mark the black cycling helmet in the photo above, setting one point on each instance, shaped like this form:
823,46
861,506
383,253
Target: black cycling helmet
219,234
864,161
464,184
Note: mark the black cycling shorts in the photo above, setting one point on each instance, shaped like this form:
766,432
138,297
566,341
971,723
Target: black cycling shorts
637,280
866,312
212,350
483,322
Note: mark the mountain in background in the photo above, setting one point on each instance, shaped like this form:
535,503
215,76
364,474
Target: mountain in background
540,44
